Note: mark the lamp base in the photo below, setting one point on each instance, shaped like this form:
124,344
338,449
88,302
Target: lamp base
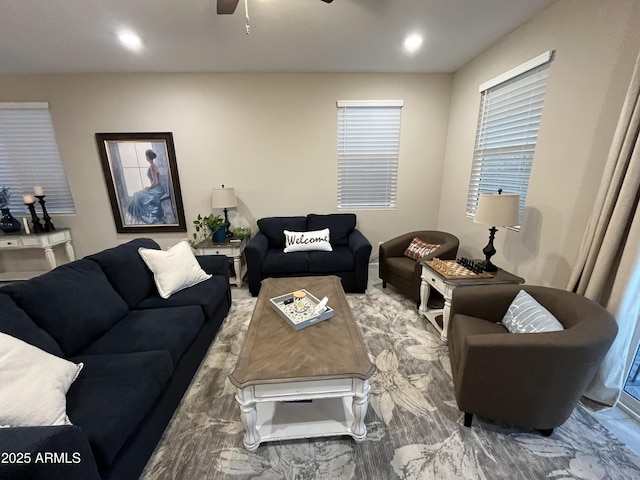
227,225
487,266
489,251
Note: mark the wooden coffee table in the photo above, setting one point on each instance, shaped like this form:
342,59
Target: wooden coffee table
304,384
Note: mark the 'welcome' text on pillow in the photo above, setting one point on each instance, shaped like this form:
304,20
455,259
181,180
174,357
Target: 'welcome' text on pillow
306,241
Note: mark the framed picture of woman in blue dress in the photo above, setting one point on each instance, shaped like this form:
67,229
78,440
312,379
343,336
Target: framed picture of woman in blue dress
141,176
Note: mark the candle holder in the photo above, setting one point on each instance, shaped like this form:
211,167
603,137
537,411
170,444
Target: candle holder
37,226
48,226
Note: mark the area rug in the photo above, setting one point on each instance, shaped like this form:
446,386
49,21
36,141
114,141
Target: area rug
415,429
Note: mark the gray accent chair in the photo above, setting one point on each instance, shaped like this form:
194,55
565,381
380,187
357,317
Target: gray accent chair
532,380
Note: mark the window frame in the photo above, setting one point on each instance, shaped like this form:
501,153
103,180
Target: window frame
534,74
30,157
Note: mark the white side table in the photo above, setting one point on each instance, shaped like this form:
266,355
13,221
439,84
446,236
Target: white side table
433,279
44,241
232,248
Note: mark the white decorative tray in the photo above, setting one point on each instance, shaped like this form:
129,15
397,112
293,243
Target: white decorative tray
299,319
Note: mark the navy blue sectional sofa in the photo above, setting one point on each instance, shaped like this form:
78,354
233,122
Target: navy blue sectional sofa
349,259
139,351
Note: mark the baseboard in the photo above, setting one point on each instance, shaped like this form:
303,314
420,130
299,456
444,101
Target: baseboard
627,404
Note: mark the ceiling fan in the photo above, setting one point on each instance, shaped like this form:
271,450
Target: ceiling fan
227,7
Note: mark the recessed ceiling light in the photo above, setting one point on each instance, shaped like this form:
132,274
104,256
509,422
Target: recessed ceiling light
130,40
413,42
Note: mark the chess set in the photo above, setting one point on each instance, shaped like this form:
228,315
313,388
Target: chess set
462,268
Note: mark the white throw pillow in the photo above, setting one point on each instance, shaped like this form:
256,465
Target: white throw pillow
175,269
307,241
526,315
34,385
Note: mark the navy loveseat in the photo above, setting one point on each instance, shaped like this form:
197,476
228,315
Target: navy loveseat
139,351
349,258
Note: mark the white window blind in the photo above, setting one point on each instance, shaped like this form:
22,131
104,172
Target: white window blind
368,146
507,132
29,157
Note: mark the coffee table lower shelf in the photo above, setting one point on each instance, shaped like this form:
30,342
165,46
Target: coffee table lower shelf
287,411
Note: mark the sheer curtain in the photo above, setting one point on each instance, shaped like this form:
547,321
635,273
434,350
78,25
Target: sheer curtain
608,266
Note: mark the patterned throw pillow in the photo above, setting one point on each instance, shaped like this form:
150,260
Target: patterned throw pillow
526,315
417,248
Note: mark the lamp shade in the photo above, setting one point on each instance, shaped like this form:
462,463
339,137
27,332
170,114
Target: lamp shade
223,198
498,210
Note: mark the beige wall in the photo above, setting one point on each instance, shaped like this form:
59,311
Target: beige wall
271,136
595,43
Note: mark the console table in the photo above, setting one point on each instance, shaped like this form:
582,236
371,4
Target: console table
232,248
431,278
44,241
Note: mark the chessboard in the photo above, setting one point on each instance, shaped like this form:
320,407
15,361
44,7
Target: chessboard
462,268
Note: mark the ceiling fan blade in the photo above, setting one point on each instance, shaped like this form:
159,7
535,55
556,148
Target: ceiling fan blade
226,7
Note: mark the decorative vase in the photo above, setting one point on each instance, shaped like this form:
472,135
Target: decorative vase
8,223
218,235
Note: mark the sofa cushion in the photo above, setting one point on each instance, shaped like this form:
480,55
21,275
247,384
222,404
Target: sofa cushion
403,267
526,315
175,269
339,224
34,385
171,329
208,295
273,228
340,260
126,271
113,395
278,262
15,322
307,241
74,303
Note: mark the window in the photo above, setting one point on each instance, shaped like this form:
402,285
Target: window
368,145
29,157
510,112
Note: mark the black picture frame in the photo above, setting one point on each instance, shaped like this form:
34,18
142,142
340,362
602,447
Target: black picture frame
127,169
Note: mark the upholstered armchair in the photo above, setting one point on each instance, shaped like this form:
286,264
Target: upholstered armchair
403,272
532,380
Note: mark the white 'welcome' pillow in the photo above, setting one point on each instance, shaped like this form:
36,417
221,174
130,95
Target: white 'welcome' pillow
307,241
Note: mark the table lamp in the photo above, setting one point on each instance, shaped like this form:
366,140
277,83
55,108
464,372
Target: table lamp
496,210
224,198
